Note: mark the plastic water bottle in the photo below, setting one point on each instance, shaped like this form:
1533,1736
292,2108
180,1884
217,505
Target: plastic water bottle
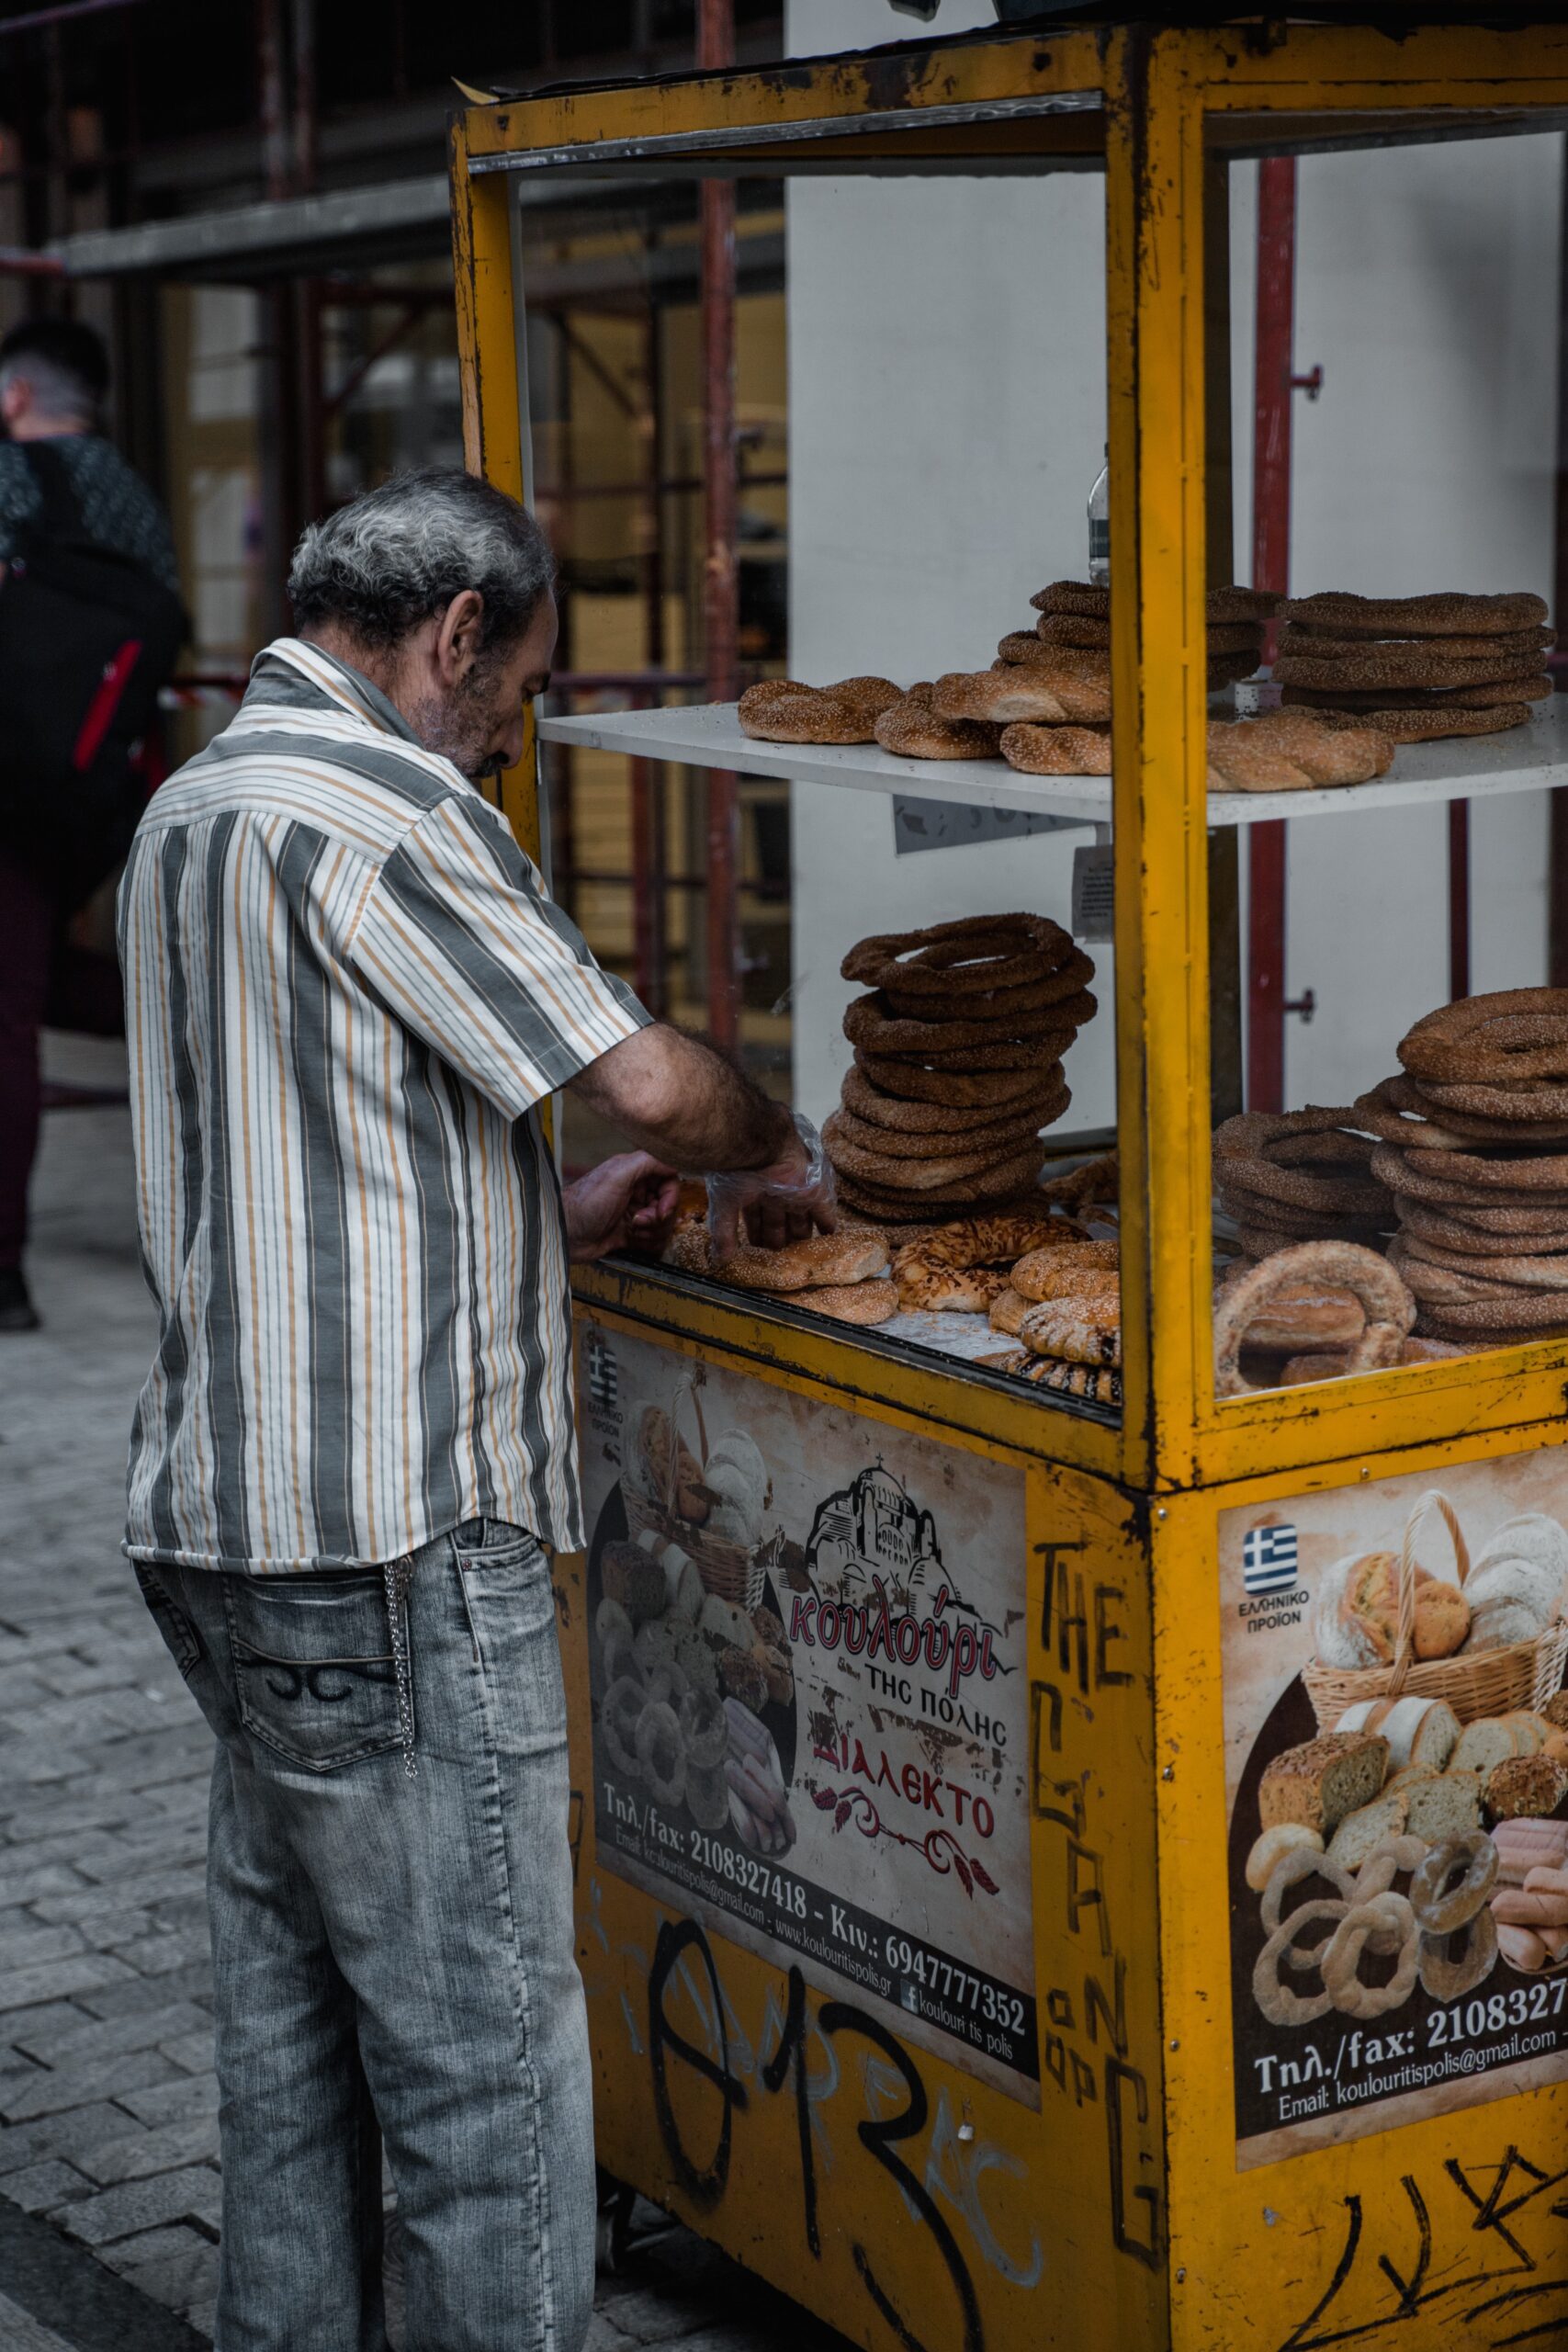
1100,526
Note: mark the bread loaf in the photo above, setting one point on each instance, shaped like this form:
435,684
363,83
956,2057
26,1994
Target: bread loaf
1418,1731
1525,1787
1355,1619
1516,1588
1445,1805
1365,1828
1483,1745
1321,1781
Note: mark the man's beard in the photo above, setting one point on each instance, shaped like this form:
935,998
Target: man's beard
458,725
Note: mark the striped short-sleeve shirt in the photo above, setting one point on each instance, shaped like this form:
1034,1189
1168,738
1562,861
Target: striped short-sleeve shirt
347,994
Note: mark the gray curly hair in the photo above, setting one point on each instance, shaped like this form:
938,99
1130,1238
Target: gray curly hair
392,558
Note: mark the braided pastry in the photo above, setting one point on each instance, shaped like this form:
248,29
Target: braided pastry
1057,750
947,1268
1292,750
912,731
783,710
1083,1330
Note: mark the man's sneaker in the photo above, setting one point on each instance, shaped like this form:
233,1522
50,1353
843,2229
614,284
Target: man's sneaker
17,1312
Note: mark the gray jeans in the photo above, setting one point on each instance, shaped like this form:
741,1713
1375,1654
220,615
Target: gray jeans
393,1955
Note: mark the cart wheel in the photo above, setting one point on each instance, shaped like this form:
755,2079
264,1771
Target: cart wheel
614,2236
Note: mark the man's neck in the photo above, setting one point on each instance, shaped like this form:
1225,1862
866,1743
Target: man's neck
50,428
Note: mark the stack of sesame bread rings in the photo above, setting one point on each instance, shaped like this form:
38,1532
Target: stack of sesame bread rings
1415,668
1472,1145
958,1065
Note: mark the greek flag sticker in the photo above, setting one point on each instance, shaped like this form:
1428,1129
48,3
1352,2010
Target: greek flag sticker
1268,1558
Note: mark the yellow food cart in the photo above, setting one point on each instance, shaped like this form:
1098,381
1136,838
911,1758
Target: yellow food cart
962,2025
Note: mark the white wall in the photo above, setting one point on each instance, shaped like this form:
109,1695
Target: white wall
1427,289
947,418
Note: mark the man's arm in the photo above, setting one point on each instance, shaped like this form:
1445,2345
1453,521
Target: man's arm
680,1099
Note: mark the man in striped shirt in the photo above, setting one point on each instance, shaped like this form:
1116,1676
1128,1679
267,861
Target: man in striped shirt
348,996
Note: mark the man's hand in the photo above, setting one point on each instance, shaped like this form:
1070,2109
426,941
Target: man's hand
626,1202
770,1205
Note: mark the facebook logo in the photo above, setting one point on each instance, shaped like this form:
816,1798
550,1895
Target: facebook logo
1268,1558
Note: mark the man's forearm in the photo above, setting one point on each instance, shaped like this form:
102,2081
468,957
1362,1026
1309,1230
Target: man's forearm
676,1097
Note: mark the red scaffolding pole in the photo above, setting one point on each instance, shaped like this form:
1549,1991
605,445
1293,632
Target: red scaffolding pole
1274,385
716,47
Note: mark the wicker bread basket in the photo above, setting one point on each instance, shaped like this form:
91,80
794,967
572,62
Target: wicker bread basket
734,1571
1474,1682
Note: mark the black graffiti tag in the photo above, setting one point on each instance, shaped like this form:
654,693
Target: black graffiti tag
1487,2212
704,2184
880,2135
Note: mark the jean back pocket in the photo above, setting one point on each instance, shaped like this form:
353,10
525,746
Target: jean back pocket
315,1674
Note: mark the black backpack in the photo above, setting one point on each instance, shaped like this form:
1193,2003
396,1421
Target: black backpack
87,639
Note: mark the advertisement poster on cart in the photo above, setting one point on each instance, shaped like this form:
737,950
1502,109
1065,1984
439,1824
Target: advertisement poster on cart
1396,1784
810,1698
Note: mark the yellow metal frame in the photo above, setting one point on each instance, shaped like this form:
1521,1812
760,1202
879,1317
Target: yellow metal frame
1234,2263
1163,90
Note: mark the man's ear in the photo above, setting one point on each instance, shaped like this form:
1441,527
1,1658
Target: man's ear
457,637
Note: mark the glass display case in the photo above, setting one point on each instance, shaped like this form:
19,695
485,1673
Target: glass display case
1253,1516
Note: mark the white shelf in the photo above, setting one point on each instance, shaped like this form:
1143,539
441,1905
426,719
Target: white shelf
1527,759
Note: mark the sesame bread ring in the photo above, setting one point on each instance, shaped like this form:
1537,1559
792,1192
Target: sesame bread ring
891,1208
1339,1265
1530,685
1408,1172
974,955
911,729
1079,1331
1260,1241
1073,596
1522,1105
1380,1111
1057,750
1389,664
1452,1231
869,1021
1534,1271
1439,1287
1002,1009
1022,649
783,710
896,1143
1521,1314
1508,1034
1445,614
851,1256
1090,1266
871,1302
1222,604
885,1076
888,1172
1014,690
885,1114
1525,646
1524,1121
1432,726
1079,628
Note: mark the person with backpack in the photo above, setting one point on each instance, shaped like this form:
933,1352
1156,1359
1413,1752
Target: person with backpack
90,625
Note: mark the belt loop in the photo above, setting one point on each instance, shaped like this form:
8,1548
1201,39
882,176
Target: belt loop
395,1577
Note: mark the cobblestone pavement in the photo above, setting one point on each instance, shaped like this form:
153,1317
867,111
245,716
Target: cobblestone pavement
107,2099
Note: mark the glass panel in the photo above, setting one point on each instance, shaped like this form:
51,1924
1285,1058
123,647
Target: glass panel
1403,1092
916,452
